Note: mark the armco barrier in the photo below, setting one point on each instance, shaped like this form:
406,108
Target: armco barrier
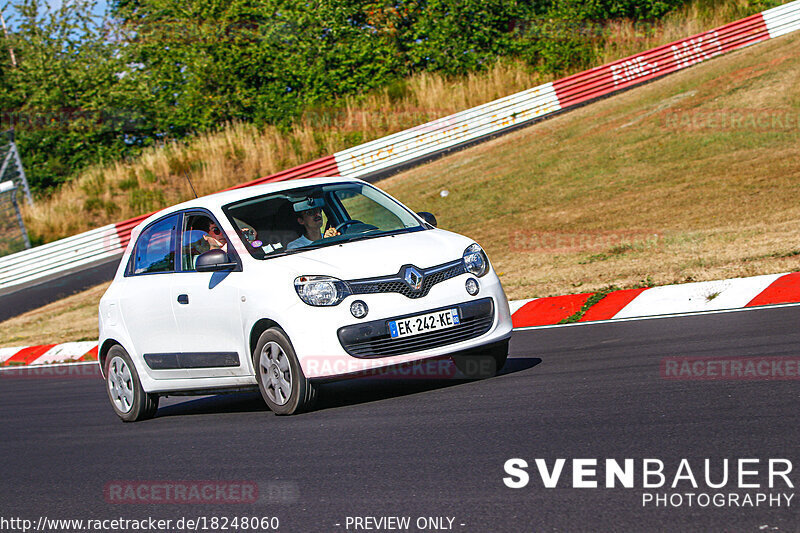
421,142
59,257
448,132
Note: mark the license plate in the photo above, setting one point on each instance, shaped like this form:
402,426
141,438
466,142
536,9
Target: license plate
423,323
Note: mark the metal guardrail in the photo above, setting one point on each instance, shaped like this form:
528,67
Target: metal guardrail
439,136
60,256
447,132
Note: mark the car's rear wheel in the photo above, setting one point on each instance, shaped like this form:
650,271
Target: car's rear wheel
128,398
483,362
283,385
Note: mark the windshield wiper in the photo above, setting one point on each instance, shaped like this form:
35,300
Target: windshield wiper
371,233
316,245
330,241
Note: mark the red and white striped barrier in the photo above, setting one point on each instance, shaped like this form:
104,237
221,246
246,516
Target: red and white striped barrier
49,353
689,298
738,293
427,140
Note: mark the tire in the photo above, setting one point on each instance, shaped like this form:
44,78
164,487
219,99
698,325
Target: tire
281,381
483,362
128,398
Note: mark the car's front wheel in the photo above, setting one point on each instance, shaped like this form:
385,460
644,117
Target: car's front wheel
483,362
283,385
128,398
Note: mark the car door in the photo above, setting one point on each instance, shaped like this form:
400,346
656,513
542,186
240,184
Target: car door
145,303
207,305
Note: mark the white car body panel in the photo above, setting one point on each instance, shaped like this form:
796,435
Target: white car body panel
207,322
141,312
147,315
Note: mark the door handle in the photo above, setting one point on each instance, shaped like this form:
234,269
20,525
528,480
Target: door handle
183,299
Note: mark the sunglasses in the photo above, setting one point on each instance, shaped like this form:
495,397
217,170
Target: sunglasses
215,231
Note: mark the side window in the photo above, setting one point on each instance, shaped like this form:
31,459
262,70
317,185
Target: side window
155,249
195,239
200,234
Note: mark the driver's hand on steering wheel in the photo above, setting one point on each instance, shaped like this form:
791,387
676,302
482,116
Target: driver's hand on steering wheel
330,232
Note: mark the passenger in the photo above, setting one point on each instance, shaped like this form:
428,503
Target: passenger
311,220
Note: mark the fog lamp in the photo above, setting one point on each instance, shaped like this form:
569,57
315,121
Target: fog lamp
359,309
472,286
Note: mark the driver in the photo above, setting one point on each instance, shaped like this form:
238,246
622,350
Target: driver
311,220
214,237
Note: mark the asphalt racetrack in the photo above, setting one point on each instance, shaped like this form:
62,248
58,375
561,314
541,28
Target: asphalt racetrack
434,448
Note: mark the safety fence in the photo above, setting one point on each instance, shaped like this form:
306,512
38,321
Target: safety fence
11,169
436,137
13,236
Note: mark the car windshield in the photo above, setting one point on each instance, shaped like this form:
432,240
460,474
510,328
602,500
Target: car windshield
300,219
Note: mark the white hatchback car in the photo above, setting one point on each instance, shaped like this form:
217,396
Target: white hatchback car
284,285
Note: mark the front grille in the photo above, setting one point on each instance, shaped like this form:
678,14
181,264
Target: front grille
372,339
395,283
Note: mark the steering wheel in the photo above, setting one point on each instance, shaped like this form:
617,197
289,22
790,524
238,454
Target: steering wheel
346,224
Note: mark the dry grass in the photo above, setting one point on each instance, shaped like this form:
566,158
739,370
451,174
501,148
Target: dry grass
72,319
629,192
241,152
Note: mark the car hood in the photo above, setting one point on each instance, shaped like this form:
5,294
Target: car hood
380,256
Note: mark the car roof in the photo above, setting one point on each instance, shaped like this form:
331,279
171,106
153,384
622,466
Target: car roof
217,200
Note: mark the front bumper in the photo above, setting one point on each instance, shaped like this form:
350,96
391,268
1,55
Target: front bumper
372,339
316,333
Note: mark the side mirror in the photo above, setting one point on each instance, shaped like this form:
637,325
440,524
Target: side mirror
214,261
428,217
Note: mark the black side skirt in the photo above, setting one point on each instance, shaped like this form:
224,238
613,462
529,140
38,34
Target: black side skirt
171,361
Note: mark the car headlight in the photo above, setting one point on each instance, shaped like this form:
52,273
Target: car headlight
475,260
320,290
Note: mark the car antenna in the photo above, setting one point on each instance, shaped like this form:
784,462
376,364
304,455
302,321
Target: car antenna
190,183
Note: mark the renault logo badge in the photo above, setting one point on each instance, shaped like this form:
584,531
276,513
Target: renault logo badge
413,278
